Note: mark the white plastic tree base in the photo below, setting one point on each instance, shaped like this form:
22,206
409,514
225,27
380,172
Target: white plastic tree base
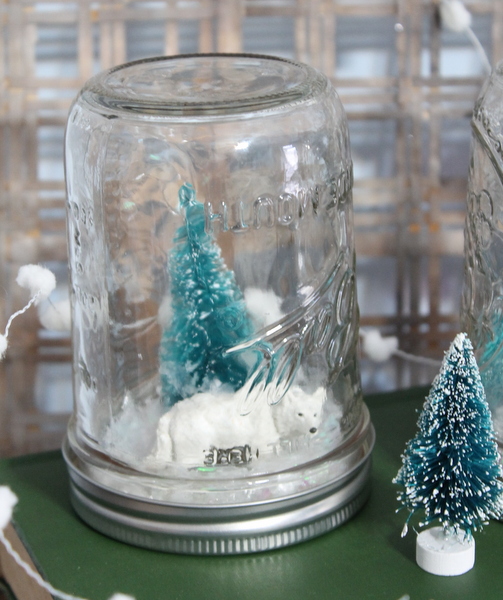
443,554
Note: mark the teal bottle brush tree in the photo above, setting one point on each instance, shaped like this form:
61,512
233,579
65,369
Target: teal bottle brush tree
451,469
209,315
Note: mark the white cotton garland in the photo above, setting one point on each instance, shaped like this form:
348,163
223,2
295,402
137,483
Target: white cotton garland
380,349
7,502
455,16
38,280
376,347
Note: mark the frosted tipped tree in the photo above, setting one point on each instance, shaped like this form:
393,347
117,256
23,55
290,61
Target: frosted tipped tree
451,468
208,312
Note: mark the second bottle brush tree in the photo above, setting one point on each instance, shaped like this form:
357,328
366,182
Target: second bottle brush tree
451,469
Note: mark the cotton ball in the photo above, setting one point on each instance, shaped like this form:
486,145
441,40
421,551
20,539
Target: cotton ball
455,16
7,502
264,306
376,347
37,279
3,346
121,597
55,316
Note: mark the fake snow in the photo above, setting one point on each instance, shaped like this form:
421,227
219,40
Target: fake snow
132,432
194,427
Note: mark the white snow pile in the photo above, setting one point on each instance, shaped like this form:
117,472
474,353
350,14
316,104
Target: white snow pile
264,307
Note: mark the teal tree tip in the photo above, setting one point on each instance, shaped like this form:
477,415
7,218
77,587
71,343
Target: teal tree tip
186,194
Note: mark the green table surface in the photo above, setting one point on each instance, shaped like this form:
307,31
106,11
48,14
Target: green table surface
364,559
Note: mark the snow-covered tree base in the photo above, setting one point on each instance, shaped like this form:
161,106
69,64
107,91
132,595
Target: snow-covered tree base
209,428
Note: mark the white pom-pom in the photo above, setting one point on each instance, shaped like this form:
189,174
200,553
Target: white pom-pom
264,307
455,16
3,345
7,502
55,316
377,347
121,597
36,279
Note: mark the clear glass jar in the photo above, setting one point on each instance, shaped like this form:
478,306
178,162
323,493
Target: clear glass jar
218,405
482,301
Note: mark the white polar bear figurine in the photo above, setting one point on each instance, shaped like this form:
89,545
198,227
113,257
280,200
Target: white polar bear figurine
206,423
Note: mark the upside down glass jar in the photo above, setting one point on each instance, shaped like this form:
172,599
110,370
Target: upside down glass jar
482,301
218,405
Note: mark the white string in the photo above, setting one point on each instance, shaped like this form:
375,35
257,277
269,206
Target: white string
480,50
33,574
20,312
456,17
422,360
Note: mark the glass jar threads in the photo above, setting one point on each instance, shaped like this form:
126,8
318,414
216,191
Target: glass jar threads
218,406
482,301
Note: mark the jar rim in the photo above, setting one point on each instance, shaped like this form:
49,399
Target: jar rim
188,85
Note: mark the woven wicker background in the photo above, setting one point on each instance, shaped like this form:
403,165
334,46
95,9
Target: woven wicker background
408,88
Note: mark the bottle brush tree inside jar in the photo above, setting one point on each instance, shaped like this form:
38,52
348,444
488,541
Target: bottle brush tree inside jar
208,313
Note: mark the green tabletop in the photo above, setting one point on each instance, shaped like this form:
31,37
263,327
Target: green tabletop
364,559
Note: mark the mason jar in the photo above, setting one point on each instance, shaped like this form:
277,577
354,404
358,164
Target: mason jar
218,406
482,301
